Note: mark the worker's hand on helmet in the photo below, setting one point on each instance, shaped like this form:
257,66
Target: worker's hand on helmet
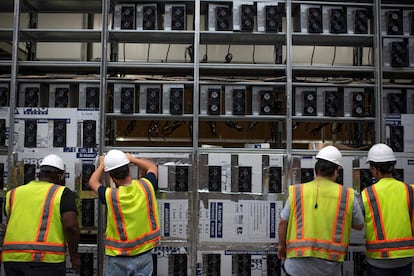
130,156
101,159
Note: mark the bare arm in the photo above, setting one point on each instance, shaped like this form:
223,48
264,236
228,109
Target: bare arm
94,180
71,229
282,230
357,214
147,165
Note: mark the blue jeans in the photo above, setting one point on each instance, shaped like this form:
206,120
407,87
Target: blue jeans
398,271
139,265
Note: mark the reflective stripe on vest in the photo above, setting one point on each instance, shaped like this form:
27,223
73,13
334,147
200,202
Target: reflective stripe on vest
382,244
410,193
336,247
125,244
40,246
298,211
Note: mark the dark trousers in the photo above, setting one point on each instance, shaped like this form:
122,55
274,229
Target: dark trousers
398,271
34,269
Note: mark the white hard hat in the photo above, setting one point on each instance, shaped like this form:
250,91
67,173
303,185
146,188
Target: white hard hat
331,154
381,153
54,161
115,159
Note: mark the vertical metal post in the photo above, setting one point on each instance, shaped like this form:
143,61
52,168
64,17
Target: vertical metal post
102,118
379,119
13,87
289,89
194,204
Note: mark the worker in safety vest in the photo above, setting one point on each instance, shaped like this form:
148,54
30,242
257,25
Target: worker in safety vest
133,227
42,220
315,224
388,207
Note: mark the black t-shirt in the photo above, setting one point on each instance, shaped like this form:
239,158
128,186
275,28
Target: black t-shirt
68,201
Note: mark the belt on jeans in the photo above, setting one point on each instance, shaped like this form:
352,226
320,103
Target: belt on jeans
136,255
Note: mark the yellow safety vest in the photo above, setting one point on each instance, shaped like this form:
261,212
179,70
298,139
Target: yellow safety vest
389,219
132,219
322,230
34,230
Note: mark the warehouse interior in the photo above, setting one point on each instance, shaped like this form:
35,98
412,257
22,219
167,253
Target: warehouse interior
231,99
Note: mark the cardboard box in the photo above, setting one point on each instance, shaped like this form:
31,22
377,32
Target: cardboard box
173,215
250,221
170,260
400,132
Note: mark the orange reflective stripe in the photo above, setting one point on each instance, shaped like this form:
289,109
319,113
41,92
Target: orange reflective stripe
303,210
49,216
118,241
150,203
311,248
114,202
337,214
392,245
376,213
316,249
374,221
146,202
120,245
113,212
380,213
295,208
121,216
299,210
341,214
410,201
45,219
317,241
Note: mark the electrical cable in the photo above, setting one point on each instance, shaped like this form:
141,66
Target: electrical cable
317,129
168,51
334,56
205,57
153,130
170,127
254,50
313,53
234,125
130,127
369,56
124,50
229,55
148,52
252,126
189,51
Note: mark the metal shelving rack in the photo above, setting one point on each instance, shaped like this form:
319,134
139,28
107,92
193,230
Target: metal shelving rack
109,70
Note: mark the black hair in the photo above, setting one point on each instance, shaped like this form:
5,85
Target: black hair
384,167
51,169
52,175
325,168
120,173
